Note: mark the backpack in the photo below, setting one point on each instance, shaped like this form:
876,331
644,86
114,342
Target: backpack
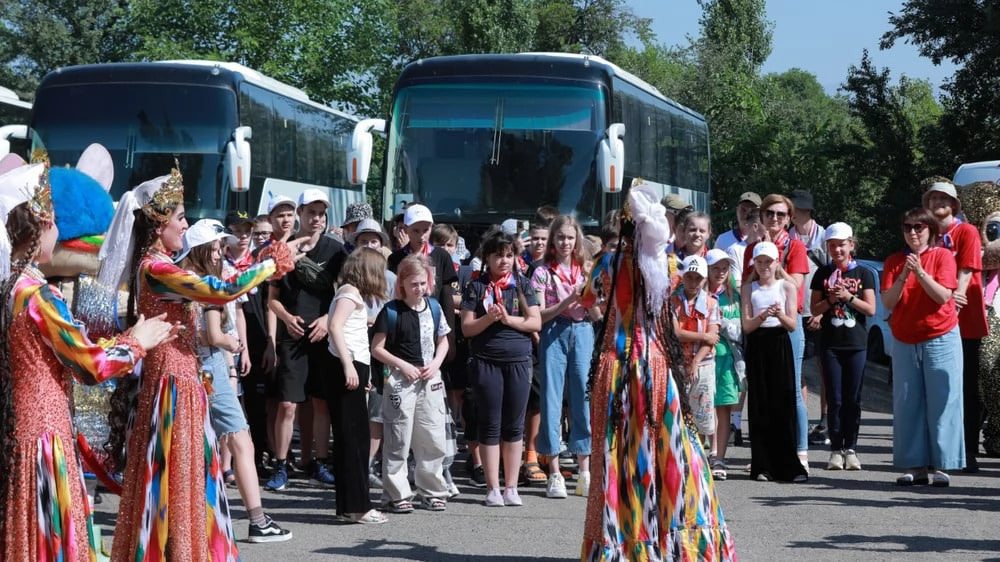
392,317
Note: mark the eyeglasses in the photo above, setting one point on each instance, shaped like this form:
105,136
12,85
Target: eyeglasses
775,214
259,233
914,227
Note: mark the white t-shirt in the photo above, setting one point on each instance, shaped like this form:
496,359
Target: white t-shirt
734,248
355,328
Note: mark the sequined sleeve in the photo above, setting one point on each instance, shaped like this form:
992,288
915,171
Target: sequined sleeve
90,362
171,283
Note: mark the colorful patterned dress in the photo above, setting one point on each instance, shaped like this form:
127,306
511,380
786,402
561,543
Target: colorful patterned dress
656,499
48,516
173,503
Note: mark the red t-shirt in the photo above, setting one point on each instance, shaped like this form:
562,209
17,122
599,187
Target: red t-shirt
967,247
797,262
916,317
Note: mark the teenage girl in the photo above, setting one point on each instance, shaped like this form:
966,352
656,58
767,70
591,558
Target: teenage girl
565,349
413,400
215,351
768,303
361,284
499,314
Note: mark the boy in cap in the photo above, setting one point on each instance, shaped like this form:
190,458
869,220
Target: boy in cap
299,338
417,224
354,214
696,322
281,211
965,243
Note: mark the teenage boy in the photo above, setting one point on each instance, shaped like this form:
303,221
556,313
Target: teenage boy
965,243
417,225
304,361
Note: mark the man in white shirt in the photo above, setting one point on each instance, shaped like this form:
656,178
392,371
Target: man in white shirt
734,241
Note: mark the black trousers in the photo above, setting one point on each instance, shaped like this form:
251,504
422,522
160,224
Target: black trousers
349,417
971,403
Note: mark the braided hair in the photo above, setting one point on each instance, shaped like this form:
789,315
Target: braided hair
24,231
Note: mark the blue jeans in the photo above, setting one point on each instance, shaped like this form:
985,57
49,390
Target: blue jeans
843,372
565,352
927,414
801,416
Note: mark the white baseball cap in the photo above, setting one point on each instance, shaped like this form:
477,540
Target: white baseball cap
509,226
695,264
312,195
278,200
202,232
765,249
716,255
838,231
417,213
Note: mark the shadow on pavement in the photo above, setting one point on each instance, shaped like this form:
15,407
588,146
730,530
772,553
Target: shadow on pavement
414,551
899,544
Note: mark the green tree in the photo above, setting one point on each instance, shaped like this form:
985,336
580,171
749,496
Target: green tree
38,36
966,32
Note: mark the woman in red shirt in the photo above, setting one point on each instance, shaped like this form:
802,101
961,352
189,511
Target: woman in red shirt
927,356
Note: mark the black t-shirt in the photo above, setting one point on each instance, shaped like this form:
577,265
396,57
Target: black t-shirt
499,343
843,327
309,302
405,342
445,278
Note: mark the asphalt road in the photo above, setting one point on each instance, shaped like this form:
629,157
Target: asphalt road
835,516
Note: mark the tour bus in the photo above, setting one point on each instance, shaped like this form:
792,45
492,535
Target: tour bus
483,138
215,118
14,115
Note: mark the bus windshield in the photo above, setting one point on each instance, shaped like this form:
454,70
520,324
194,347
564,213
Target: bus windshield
471,149
144,126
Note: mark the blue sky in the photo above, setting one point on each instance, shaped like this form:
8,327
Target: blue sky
824,37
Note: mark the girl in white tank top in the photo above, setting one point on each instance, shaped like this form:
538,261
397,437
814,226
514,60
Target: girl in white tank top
762,297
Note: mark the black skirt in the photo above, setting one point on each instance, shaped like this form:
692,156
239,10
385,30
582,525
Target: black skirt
771,394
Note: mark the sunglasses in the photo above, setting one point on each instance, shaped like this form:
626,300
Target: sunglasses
775,214
914,227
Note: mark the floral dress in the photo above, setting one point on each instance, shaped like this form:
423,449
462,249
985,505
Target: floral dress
173,503
47,513
652,496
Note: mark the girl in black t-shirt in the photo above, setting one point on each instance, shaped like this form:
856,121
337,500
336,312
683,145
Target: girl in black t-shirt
844,294
499,312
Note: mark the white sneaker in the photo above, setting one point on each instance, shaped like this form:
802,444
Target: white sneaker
583,484
851,460
556,487
836,461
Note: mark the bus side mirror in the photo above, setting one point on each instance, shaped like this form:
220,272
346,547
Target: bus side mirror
611,159
238,160
359,154
8,132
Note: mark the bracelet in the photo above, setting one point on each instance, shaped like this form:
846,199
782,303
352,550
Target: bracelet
921,275
850,300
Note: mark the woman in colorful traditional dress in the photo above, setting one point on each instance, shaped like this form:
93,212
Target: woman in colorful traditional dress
644,442
173,499
44,510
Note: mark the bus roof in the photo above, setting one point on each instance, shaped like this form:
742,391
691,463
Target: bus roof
561,65
184,71
9,97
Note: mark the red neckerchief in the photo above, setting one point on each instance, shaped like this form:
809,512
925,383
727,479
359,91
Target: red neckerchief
522,266
574,272
494,291
426,250
782,242
241,264
738,234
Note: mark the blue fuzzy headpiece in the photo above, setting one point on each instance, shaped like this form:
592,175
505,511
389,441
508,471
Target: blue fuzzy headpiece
83,207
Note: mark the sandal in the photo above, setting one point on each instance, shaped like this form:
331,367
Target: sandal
534,473
910,479
433,504
373,517
400,506
719,470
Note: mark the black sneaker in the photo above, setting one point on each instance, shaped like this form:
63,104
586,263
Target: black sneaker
478,477
268,532
737,435
818,435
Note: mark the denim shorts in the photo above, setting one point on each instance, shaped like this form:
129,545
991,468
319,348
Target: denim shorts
226,413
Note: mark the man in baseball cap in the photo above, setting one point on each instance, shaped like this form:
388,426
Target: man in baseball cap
734,241
965,243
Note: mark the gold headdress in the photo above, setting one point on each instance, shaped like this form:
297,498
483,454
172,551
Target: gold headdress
168,196
40,200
